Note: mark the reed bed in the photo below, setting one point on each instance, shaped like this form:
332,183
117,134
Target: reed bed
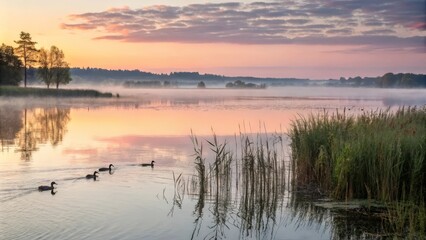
253,171
378,155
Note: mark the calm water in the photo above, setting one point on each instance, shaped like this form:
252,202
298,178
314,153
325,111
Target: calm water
63,140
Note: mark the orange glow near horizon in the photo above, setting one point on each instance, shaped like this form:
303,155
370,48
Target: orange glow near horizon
300,61
90,134
175,122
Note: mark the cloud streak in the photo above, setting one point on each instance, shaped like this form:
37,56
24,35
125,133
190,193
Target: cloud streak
382,24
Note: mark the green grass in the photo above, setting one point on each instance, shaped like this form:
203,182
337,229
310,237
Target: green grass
378,155
13,91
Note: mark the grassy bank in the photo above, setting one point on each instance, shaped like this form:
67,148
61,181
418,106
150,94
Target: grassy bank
378,155
13,91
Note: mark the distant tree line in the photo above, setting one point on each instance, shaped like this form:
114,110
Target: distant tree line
388,80
149,84
99,75
241,84
402,80
51,67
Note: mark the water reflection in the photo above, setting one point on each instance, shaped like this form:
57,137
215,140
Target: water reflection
265,219
155,126
10,124
244,192
344,223
248,194
28,128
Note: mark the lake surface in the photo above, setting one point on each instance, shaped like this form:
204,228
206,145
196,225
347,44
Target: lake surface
62,140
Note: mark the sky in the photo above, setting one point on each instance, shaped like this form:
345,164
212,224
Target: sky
316,39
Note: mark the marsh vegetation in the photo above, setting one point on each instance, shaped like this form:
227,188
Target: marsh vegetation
245,181
376,155
369,165
13,91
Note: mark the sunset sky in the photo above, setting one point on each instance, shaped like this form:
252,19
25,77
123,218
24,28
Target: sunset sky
307,39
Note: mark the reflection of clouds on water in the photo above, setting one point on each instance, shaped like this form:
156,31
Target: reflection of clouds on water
165,150
154,141
84,151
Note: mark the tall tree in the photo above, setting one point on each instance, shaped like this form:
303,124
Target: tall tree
53,69
60,68
62,75
44,70
27,51
10,66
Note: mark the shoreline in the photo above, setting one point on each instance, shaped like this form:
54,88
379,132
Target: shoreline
14,91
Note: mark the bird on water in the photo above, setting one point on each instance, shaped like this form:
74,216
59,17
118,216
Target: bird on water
90,176
148,164
106,169
45,188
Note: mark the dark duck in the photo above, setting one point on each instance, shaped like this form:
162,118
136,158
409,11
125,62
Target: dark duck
90,176
47,188
106,169
148,164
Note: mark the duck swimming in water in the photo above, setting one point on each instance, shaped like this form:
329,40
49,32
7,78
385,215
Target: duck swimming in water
90,176
46,188
148,164
106,169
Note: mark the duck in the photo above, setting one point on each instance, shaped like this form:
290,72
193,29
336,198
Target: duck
148,164
90,176
106,169
46,188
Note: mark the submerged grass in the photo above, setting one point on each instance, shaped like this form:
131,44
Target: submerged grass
378,155
13,91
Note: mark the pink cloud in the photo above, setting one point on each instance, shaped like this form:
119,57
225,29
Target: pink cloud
319,22
418,26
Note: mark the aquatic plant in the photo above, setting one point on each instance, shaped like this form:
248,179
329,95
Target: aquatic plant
13,91
178,193
256,176
378,155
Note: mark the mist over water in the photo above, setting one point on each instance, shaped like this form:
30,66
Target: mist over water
62,140
290,92
275,97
